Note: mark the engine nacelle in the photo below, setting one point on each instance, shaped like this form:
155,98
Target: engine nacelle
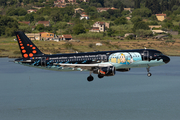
123,70
105,71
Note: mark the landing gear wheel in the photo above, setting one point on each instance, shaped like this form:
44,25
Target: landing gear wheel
100,76
90,78
149,74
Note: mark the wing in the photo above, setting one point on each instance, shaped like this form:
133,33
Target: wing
84,66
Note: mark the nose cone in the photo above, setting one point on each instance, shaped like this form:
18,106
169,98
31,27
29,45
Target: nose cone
166,59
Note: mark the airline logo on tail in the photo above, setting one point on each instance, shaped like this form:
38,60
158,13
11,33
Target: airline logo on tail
28,49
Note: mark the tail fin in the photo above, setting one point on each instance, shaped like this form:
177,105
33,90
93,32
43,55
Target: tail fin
28,49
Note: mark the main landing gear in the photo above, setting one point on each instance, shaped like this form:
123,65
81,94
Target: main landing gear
149,74
100,76
90,78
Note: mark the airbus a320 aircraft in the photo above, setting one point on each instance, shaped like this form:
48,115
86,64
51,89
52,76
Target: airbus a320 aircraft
104,63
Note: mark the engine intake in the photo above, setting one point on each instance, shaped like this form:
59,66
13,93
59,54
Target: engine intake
105,71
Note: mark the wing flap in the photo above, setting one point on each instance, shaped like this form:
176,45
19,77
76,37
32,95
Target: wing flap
84,66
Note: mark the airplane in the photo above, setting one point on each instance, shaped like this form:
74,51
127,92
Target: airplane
102,63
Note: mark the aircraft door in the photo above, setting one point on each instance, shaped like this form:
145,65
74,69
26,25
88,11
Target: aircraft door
146,55
43,61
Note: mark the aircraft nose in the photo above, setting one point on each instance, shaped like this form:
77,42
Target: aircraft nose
166,59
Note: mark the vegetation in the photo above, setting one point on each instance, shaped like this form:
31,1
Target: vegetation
66,21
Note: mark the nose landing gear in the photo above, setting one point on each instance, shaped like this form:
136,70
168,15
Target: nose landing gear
149,74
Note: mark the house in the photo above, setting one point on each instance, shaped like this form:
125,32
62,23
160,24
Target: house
102,9
105,9
78,10
128,34
173,32
24,22
84,0
33,36
59,1
47,36
33,28
128,9
84,17
161,17
31,10
94,29
158,31
154,26
45,23
99,26
70,23
72,1
66,37
128,18
98,44
60,5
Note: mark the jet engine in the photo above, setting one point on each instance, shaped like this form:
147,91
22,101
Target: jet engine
123,70
105,71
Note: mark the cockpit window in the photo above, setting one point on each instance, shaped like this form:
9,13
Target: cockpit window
157,54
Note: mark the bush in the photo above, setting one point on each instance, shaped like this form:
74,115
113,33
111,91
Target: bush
90,36
140,25
144,33
130,37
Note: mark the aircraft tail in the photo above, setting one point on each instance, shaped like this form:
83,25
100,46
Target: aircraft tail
28,49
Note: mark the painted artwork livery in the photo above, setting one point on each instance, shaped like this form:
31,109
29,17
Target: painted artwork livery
104,63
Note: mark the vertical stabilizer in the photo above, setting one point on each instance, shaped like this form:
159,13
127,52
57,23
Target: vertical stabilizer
27,47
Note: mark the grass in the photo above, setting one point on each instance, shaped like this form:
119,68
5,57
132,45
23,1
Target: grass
10,48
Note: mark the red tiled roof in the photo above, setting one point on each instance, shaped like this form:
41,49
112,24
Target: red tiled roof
67,36
101,23
84,15
160,14
95,28
43,22
42,32
103,8
70,23
32,10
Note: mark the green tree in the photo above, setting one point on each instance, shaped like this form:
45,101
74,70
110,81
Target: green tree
3,2
8,26
22,12
78,29
136,19
39,18
140,25
110,32
29,17
40,27
143,12
137,3
56,16
120,20
164,5
144,33
154,6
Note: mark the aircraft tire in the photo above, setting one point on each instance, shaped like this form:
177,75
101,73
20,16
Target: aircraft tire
90,78
100,76
149,74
